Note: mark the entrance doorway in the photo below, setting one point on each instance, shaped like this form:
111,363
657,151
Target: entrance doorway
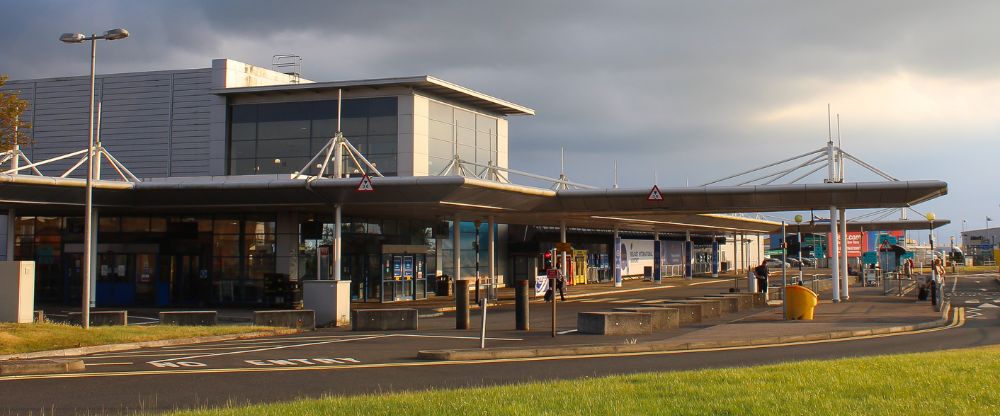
403,277
181,281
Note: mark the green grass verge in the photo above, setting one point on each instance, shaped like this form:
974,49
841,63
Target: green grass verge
21,338
957,382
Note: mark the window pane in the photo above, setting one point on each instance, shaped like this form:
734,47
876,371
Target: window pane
157,224
436,165
441,112
283,129
269,149
441,131
108,224
467,153
226,245
294,111
382,125
354,126
483,156
465,119
380,107
325,128
440,149
382,144
226,226
483,140
486,124
243,167
25,225
243,149
244,113
258,227
135,224
48,225
385,163
244,131
466,137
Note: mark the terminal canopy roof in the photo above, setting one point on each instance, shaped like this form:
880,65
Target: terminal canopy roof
696,209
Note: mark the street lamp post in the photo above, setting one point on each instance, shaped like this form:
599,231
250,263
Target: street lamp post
930,239
88,249
798,238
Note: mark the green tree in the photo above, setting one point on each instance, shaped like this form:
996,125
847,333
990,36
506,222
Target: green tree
13,128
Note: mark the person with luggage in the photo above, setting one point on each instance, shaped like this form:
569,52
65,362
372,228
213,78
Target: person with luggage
761,273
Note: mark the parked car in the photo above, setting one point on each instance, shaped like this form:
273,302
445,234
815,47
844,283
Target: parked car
809,261
776,263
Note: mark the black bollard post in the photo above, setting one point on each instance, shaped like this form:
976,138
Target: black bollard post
461,304
521,304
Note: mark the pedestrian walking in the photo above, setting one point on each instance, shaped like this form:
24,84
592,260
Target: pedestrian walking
761,272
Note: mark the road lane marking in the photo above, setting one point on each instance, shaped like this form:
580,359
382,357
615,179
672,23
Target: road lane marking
452,337
957,322
266,349
568,331
707,282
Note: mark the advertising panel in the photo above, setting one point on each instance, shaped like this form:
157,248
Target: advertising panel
856,243
635,255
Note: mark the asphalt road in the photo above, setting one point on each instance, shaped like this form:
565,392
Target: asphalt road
336,362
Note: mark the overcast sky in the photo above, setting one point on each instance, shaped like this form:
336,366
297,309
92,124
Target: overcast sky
696,90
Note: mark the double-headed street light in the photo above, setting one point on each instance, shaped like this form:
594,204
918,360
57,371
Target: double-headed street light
88,248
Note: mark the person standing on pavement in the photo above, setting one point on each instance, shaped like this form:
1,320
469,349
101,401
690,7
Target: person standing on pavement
761,272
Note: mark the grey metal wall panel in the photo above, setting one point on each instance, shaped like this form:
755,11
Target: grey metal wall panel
156,123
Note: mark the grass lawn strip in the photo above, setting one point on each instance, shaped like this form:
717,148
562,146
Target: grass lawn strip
965,382
23,338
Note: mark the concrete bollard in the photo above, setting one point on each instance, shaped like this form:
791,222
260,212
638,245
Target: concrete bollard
521,301
461,304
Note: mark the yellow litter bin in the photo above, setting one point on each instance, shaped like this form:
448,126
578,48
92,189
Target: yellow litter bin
801,302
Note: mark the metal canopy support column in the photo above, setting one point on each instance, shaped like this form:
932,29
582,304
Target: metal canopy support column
657,258
844,283
336,242
616,253
688,255
491,222
834,256
456,249
562,257
715,256
11,233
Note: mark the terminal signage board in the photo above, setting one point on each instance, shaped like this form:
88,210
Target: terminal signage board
856,243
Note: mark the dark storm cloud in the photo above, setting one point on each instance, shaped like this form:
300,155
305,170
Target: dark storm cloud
671,85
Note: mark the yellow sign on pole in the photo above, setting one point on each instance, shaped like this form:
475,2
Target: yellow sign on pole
564,248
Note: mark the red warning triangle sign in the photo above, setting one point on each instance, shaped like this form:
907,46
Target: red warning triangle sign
365,185
654,194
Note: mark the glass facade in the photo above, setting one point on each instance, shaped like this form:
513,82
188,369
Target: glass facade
451,129
154,260
282,137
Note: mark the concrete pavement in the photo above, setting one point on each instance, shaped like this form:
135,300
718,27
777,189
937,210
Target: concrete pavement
337,361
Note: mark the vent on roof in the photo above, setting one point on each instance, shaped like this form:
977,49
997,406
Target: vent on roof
290,65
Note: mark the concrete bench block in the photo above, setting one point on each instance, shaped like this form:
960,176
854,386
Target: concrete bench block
101,318
709,308
399,319
189,318
728,304
689,313
662,318
614,323
304,319
746,300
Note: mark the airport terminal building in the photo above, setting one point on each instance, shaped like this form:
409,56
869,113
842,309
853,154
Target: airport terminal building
215,191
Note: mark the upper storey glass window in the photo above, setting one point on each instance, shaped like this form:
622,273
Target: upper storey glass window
282,137
452,129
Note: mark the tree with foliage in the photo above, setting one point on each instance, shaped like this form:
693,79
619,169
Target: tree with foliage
13,128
